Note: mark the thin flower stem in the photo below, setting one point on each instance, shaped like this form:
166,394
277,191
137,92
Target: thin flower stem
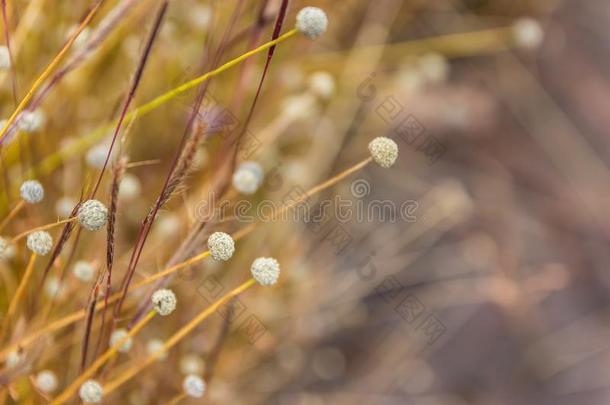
12,307
176,338
48,70
79,315
12,214
99,362
51,162
41,228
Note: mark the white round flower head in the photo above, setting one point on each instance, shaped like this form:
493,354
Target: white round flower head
13,359
64,206
155,346
46,381
299,107
117,337
193,386
312,22
83,271
221,246
528,33
384,151
5,59
265,270
322,84
248,177
91,392
191,364
31,121
434,67
130,187
54,288
96,156
92,215
164,301
32,191
39,242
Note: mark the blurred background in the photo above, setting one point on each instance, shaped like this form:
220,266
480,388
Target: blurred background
471,272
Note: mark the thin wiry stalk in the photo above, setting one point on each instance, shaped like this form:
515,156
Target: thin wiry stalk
63,238
7,38
48,70
132,91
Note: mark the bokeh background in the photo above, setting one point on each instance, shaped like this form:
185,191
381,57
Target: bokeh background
492,289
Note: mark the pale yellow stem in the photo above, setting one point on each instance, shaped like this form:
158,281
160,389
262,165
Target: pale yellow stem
175,339
12,214
99,362
12,307
41,228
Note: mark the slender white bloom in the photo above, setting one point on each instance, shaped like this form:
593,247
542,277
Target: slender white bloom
191,364
221,246
164,301
384,151
265,270
46,381
248,177
83,271
92,215
312,22
155,346
528,33
193,386
116,339
31,191
64,206
130,187
31,121
39,242
91,392
13,359
5,59
322,84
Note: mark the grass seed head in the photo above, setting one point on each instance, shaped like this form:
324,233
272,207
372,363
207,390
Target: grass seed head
31,191
384,151
265,270
40,242
91,392
312,22
92,215
164,301
221,246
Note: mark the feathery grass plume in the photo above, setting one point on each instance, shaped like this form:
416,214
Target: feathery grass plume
384,151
